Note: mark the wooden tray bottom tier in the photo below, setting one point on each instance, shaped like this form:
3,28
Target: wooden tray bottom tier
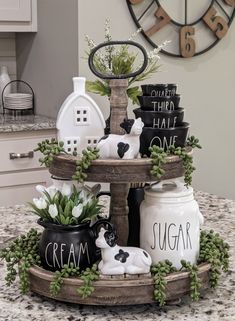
117,290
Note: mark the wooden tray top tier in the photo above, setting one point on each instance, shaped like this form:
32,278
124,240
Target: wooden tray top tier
119,289
117,171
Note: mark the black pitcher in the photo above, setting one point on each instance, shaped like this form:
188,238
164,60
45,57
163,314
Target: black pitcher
65,244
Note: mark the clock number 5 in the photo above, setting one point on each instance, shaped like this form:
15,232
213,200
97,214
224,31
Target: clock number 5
187,43
216,23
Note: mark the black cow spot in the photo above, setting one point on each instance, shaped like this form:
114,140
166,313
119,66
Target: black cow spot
104,137
145,254
121,256
127,125
122,149
110,238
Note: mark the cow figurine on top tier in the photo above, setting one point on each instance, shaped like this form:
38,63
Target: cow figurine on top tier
122,146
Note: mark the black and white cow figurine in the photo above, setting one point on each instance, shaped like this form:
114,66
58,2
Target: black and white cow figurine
120,259
122,146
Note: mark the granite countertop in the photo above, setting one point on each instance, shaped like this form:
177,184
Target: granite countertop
9,123
214,305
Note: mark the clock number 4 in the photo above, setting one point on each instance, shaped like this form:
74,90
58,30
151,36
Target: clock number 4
187,43
216,23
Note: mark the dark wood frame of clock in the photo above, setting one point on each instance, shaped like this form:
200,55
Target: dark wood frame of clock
187,30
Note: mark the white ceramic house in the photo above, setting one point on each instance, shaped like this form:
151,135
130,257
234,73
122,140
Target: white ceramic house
80,122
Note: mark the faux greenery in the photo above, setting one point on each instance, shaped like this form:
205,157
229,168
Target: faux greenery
21,255
49,148
159,158
160,271
84,163
195,283
193,142
120,61
69,206
24,250
214,250
58,279
187,161
88,276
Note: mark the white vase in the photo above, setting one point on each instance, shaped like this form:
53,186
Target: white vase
4,80
170,223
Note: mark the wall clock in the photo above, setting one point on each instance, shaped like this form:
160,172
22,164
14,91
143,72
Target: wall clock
193,26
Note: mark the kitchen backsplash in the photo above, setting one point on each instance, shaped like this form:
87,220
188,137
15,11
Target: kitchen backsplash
8,53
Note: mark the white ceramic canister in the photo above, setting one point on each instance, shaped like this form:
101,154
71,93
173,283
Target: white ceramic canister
170,223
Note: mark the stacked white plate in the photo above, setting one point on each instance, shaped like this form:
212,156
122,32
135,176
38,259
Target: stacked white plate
18,101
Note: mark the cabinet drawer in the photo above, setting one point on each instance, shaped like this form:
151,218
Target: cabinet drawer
11,149
19,188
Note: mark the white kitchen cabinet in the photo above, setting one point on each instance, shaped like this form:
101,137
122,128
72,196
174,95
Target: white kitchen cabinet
20,170
18,15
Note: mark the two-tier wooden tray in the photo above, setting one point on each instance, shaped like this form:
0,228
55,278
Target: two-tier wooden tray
124,289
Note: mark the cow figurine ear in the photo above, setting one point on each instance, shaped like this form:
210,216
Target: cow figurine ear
127,125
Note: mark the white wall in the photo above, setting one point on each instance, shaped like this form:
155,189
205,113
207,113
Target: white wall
207,83
48,59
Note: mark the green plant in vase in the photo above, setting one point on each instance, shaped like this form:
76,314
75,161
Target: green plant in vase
121,61
67,215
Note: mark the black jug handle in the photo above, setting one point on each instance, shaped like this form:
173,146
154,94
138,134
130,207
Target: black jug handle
103,193
101,222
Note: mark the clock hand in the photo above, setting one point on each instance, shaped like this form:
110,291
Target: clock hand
225,12
143,13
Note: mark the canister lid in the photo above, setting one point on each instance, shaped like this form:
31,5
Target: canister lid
169,189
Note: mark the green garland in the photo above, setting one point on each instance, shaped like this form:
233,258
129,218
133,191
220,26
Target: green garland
195,283
49,149
160,271
84,163
88,276
57,282
214,250
158,157
22,253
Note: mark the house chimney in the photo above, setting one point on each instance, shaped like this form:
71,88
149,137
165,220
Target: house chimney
79,85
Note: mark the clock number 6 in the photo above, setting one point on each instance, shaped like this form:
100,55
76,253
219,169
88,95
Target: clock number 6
187,43
230,2
216,23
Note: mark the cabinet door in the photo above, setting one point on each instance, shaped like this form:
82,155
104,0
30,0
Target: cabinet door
15,10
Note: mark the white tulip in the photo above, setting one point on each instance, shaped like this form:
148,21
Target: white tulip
77,210
40,203
40,189
53,210
87,200
66,189
83,195
51,190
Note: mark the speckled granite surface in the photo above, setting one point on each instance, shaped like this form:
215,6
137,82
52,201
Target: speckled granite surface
10,123
216,305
